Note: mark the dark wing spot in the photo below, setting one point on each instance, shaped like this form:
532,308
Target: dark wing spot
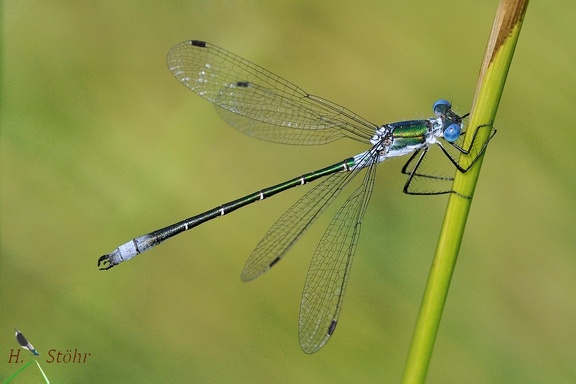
274,262
198,43
243,84
332,327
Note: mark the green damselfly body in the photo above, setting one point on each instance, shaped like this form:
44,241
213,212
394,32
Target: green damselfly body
264,105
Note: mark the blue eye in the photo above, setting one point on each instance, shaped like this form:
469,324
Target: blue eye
441,106
452,132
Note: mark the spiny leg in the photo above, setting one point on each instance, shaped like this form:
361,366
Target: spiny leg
413,168
415,176
468,151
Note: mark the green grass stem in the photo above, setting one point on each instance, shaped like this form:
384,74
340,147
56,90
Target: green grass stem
18,372
43,374
497,60
8,380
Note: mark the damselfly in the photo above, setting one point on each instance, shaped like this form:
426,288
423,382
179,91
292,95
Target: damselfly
266,106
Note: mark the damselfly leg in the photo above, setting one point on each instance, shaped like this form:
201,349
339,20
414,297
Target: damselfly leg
436,183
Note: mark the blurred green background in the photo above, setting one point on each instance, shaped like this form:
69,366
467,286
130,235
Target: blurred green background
99,144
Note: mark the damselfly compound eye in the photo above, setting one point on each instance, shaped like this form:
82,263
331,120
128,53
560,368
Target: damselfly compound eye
452,132
441,106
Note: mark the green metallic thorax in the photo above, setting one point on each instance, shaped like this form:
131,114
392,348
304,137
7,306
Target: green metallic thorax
407,134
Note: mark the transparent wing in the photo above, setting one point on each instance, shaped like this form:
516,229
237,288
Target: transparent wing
292,224
260,103
330,267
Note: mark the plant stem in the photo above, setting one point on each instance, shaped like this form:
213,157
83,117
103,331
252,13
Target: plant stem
497,59
18,372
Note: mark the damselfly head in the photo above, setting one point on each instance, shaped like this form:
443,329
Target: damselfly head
451,122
